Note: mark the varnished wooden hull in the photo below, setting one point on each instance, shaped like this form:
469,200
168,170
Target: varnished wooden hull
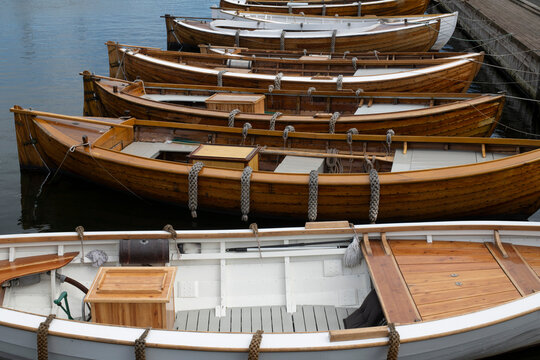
508,187
452,76
471,117
409,38
397,7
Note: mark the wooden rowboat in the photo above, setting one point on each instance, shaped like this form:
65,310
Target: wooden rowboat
413,33
373,72
331,8
440,290
373,113
291,173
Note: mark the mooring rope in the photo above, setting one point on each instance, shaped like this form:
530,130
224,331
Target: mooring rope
334,163
339,82
140,345
245,181
245,130
273,120
255,229
332,122
42,341
193,187
80,231
277,81
313,194
255,345
286,131
232,114
375,189
121,64
220,77
70,150
168,228
393,342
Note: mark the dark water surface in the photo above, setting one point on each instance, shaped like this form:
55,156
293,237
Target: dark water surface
44,45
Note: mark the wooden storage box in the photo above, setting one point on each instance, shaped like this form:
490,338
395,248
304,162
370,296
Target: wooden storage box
134,296
225,156
249,103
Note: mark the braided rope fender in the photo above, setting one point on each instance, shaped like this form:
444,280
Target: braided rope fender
393,342
245,180
375,189
277,81
333,41
220,77
332,123
255,345
193,187
339,82
140,346
313,195
42,341
324,10
282,40
232,114
350,133
273,120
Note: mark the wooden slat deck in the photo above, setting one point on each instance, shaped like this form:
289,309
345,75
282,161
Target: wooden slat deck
271,319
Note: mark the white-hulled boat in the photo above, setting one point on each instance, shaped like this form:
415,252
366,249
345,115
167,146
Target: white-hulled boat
451,290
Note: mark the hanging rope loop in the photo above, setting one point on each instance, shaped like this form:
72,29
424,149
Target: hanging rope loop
375,189
245,130
393,342
313,195
232,114
333,41
310,90
333,162
345,53
140,345
286,131
277,81
42,341
350,133
245,181
273,120
255,345
332,122
282,40
193,177
220,77
389,135
354,60
339,82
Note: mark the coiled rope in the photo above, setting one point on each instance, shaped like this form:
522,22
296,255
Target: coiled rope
80,231
245,180
332,122
333,41
350,133
339,82
273,120
286,131
393,342
193,187
313,195
220,77
277,81
232,114
245,130
140,346
255,345
42,341
375,189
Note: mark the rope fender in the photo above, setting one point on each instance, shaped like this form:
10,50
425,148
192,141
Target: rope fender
282,40
332,123
232,114
140,346
245,130
313,195
220,77
42,341
245,181
393,342
277,81
286,131
273,120
375,189
339,82
255,345
193,187
333,41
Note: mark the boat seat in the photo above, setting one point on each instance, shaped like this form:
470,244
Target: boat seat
387,108
152,149
175,98
300,165
276,319
33,265
420,159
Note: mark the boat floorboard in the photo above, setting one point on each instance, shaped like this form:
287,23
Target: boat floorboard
271,319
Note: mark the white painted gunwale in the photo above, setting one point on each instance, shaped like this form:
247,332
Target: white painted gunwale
303,6
459,60
316,341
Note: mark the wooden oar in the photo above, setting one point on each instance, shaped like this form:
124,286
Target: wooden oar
320,155
67,117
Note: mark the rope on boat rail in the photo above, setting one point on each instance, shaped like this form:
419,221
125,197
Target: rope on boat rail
174,236
345,53
277,81
80,231
354,60
375,189
237,38
313,195
220,77
42,341
389,134
333,41
310,90
140,345
273,120
255,344
255,229
393,342
232,114
359,12
245,180
333,162
339,82
245,130
282,40
193,187
286,131
332,122
350,133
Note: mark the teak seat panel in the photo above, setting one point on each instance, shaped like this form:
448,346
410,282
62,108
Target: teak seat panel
33,265
396,300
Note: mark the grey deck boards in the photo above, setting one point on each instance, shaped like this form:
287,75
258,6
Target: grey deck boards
307,318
